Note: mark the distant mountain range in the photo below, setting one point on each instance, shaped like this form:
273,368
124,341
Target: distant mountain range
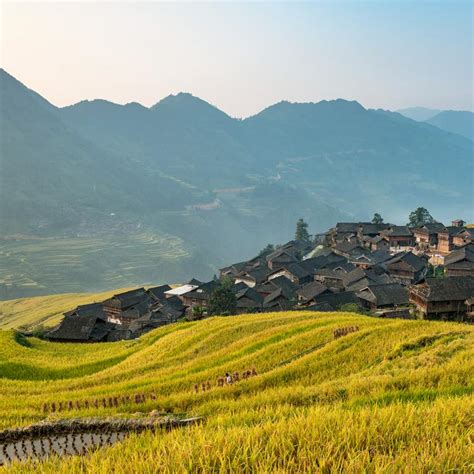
224,187
454,121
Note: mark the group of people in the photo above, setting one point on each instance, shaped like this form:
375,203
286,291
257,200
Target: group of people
229,379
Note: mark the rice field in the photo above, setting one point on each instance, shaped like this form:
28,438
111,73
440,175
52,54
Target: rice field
31,267
394,396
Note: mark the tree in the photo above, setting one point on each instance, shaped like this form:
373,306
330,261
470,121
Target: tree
267,250
198,312
222,300
302,230
420,217
377,219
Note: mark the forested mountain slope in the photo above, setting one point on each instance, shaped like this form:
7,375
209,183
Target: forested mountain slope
185,172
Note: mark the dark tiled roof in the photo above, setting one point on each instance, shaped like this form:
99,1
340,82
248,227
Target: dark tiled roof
203,291
338,299
80,328
249,293
157,292
455,288
309,291
432,228
463,253
93,309
258,276
349,247
409,258
373,228
398,231
279,293
391,294
283,282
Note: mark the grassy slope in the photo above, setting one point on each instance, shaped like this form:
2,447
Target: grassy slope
395,396
43,310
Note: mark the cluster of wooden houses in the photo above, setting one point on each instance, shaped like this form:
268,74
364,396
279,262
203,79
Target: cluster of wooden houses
381,268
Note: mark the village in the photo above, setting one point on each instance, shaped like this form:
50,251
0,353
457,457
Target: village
380,269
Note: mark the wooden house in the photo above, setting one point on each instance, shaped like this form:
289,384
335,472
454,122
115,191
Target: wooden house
307,293
361,278
460,262
249,301
426,236
294,272
383,296
398,236
463,237
280,258
442,298
335,300
253,278
269,286
124,307
199,296
406,268
158,293
279,300
85,328
446,239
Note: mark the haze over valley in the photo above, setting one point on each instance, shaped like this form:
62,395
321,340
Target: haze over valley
98,195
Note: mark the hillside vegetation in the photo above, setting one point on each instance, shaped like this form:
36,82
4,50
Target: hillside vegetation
395,396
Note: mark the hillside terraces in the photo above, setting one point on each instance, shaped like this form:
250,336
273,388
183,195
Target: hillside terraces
390,395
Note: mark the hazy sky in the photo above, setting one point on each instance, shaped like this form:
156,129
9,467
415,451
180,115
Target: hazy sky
243,57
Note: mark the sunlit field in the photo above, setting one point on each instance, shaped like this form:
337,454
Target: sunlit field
395,396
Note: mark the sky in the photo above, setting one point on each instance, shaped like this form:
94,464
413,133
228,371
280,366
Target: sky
243,57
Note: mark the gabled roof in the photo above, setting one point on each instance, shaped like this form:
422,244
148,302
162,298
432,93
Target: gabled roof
258,275
283,282
361,278
279,293
349,248
297,246
309,291
411,260
346,227
370,228
281,255
463,253
455,288
92,309
398,231
251,294
127,299
342,266
158,292
327,273
239,286
391,294
80,328
451,230
335,300
321,261
432,228
294,269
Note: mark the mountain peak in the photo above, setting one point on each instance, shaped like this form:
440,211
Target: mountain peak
185,105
